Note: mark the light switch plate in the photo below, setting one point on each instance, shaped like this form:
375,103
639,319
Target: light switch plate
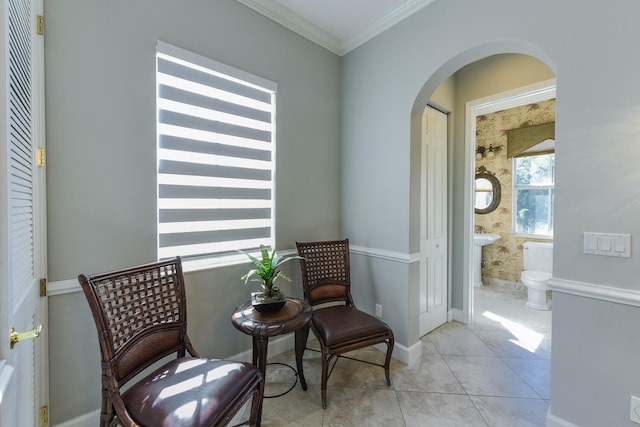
607,244
635,409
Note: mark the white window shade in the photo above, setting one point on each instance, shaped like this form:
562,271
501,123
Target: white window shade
216,157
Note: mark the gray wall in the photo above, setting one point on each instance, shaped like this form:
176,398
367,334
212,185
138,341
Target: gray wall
344,157
590,47
101,162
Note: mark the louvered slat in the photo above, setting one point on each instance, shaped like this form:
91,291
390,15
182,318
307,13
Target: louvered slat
20,144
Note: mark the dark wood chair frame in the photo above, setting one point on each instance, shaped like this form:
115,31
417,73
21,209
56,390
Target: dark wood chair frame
325,267
135,335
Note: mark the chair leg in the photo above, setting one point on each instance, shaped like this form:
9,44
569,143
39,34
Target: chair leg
387,362
325,373
256,405
104,419
106,412
301,337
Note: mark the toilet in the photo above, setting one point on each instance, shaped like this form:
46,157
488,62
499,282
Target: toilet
538,264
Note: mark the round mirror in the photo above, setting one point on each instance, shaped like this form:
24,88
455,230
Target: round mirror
487,192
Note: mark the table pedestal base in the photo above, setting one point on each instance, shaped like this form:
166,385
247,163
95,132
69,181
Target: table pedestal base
295,381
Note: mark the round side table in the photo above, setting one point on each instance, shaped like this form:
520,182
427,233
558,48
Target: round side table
293,317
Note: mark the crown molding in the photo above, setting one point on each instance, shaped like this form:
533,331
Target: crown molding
283,16
295,23
383,24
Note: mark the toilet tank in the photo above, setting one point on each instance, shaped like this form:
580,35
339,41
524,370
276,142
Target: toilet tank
538,256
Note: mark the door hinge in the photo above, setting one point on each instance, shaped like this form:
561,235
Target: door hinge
40,157
44,416
40,25
43,287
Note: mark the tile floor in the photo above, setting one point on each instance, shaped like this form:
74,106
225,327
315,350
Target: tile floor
494,372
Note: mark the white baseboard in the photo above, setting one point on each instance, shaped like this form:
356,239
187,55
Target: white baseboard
457,315
406,355
504,283
409,355
553,421
89,419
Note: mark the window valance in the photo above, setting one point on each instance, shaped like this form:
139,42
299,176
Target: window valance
520,140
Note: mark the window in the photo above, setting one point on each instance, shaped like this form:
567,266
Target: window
216,155
533,195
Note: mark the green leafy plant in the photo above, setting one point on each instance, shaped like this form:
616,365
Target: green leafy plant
266,271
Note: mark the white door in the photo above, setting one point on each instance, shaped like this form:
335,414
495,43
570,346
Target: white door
23,370
433,221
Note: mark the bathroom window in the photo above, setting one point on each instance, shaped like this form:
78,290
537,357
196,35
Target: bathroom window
533,192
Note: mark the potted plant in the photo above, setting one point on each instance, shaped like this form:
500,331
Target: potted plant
266,272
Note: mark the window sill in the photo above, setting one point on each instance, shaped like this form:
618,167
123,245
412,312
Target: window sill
534,236
223,261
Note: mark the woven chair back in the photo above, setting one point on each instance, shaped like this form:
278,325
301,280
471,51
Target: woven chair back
140,314
325,269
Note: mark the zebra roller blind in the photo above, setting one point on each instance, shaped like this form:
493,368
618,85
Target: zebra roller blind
216,157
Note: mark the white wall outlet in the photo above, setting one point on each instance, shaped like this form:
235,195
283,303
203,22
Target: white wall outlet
379,310
635,409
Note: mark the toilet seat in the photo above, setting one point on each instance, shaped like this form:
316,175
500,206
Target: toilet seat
536,278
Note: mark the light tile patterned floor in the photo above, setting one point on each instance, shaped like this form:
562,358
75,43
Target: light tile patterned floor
494,372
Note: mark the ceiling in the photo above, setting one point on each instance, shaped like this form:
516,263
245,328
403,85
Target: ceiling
337,25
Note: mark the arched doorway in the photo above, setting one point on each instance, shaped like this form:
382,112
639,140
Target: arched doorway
460,162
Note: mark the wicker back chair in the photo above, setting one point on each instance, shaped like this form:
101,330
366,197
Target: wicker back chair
140,314
340,327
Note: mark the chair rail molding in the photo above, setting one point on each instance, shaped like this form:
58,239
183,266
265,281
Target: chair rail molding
595,291
589,290
61,287
402,257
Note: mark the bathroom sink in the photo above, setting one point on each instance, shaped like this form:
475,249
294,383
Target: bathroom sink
482,239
